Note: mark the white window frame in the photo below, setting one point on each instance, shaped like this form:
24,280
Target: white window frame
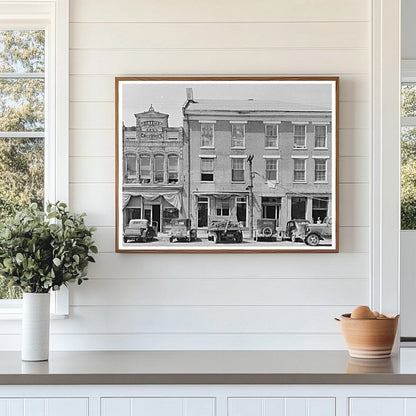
326,169
275,159
326,136
267,124
212,146
234,123
304,125
53,17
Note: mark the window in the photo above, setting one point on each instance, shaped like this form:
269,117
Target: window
299,136
298,208
159,169
271,169
33,162
299,173
173,169
319,208
271,135
144,169
320,170
223,207
207,169
237,169
131,165
207,135
270,207
320,136
237,135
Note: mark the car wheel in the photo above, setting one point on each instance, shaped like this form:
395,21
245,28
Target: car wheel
125,239
239,238
312,240
267,232
293,239
216,238
171,239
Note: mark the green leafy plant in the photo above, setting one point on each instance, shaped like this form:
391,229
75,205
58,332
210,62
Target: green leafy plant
43,251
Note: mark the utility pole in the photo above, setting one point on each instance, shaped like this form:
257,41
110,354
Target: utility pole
250,197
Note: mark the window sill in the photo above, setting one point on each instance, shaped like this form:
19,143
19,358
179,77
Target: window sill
300,148
300,182
207,147
321,182
238,148
320,148
271,148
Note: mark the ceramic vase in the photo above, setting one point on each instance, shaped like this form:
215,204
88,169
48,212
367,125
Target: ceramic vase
35,326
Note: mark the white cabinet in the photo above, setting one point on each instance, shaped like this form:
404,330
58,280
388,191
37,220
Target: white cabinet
271,406
160,406
44,407
382,406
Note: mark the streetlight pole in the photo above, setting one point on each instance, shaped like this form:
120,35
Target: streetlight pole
250,197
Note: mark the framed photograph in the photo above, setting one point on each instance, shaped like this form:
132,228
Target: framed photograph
226,164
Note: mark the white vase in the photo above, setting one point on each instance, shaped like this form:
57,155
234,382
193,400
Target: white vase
35,326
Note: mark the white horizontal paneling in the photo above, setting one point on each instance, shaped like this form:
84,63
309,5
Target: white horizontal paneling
219,62
354,201
222,291
166,341
249,265
199,319
101,87
354,170
354,142
44,407
92,169
221,35
377,407
352,239
354,115
93,143
217,11
96,199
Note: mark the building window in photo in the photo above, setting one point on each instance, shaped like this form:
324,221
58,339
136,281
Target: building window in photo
271,169
237,135
299,136
207,135
159,171
222,207
144,168
320,136
173,169
271,135
207,169
319,209
320,170
131,165
299,173
237,169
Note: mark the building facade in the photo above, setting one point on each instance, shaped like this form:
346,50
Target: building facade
251,159
153,170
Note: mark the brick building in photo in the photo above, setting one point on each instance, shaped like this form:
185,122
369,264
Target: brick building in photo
291,164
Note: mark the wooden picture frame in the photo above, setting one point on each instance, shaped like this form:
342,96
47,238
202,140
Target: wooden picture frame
227,164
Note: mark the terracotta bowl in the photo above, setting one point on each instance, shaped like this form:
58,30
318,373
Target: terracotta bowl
369,338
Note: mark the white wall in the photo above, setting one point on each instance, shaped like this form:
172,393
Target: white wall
215,301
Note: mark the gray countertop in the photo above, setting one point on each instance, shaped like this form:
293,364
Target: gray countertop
207,367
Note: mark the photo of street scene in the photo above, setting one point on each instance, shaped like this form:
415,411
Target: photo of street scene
226,165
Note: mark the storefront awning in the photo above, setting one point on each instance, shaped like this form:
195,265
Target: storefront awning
174,198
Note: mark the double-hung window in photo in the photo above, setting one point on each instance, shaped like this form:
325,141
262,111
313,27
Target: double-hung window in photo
320,170
173,169
144,169
320,137
271,169
299,171
299,136
207,169
207,134
131,167
159,169
271,131
237,169
238,135
223,207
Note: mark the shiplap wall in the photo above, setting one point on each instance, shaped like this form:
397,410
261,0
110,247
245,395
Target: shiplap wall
215,301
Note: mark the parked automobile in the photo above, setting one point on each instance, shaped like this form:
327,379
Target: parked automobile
182,230
140,230
295,230
315,233
222,230
266,228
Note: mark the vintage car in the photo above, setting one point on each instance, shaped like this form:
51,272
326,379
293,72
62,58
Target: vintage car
315,233
295,230
140,230
182,230
222,230
266,229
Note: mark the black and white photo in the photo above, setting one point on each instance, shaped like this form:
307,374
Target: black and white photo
227,164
